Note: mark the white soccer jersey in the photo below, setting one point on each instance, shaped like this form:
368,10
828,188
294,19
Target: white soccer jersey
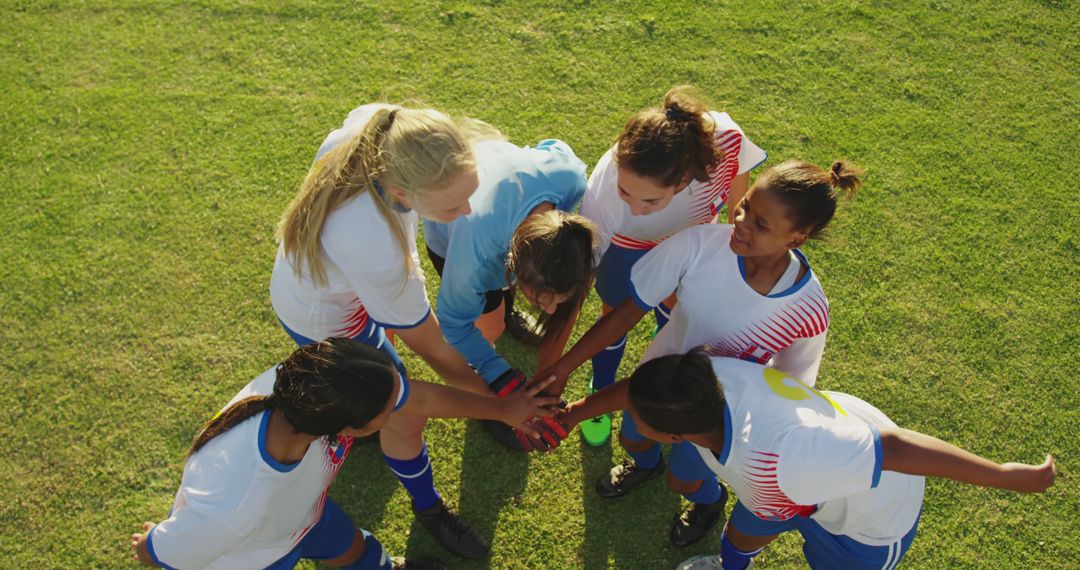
718,309
239,508
791,450
366,277
696,204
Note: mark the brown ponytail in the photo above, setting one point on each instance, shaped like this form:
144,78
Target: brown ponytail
229,417
809,191
320,389
554,252
670,142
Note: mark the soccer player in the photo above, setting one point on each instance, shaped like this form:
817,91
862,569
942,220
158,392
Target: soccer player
826,464
672,167
255,484
347,265
745,291
518,230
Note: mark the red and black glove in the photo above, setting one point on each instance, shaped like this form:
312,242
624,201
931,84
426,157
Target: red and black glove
550,430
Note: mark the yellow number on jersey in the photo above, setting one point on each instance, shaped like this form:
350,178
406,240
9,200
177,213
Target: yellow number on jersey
797,391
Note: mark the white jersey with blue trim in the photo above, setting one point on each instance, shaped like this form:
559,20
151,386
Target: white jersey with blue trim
366,275
698,203
791,450
237,507
719,310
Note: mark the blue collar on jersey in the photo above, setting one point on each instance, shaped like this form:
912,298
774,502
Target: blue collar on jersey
795,287
393,205
725,451
277,465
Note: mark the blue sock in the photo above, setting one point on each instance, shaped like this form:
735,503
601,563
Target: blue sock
733,558
662,314
606,364
374,558
708,494
415,475
646,459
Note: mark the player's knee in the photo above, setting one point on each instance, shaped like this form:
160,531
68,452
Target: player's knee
682,487
635,445
492,325
406,426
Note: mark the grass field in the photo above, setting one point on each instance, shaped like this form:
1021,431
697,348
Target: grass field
149,149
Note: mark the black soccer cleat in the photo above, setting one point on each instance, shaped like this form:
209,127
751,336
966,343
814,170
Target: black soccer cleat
451,532
625,477
523,327
697,520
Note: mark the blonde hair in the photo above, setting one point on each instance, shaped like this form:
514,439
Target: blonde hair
418,150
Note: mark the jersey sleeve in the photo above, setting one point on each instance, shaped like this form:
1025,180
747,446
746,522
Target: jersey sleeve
818,464
658,273
460,302
601,203
565,172
192,537
392,293
750,155
802,359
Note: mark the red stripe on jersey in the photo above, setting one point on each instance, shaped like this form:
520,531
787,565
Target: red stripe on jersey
810,316
717,189
803,317
627,242
765,499
356,322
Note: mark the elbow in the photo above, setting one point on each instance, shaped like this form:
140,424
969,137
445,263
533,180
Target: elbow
892,449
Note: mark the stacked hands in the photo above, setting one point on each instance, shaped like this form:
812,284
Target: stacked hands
539,417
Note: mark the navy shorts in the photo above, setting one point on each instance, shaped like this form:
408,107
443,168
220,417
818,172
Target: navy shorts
823,549
372,335
331,537
613,274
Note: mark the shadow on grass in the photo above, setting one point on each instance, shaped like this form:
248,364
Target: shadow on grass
491,476
631,531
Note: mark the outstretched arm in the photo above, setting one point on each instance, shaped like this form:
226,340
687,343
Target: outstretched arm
435,401
915,453
610,399
427,340
606,331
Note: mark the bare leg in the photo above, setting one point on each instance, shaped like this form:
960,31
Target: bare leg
403,436
492,324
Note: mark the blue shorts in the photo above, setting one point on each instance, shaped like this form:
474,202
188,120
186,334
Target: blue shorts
372,335
331,537
824,550
613,274
684,461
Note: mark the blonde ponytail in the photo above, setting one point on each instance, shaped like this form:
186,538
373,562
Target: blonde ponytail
418,150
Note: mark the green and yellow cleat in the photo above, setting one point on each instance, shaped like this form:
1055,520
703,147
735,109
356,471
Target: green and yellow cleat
596,431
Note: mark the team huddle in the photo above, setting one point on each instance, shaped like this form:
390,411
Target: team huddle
728,381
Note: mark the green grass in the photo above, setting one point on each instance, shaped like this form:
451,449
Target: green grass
150,147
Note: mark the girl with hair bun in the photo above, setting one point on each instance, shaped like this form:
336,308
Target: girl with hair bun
672,167
347,265
255,484
745,291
